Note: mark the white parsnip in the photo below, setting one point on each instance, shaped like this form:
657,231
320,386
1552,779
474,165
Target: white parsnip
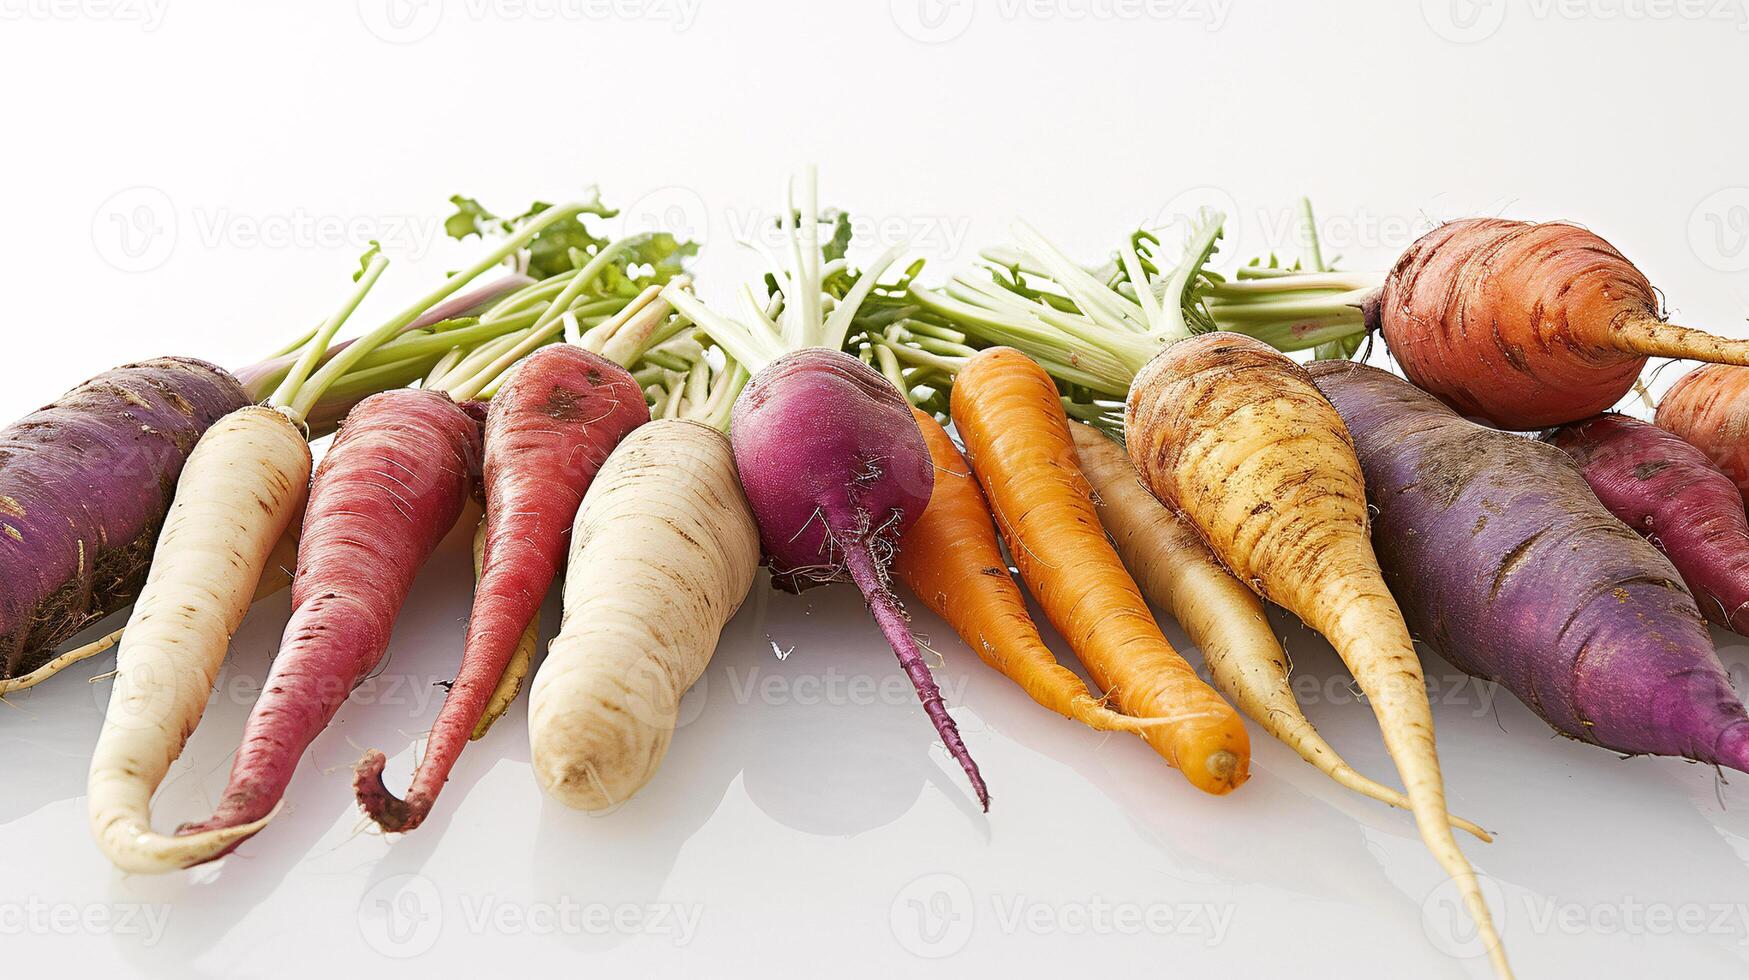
663,552
243,487
1224,618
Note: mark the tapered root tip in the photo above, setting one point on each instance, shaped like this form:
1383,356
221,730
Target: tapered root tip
146,852
389,811
1647,335
1221,765
1730,748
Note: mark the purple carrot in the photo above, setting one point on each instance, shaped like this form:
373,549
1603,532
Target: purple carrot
1507,564
84,487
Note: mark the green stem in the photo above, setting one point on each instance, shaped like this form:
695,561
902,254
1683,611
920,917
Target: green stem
340,365
285,397
549,324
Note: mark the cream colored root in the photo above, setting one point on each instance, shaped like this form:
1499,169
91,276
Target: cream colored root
1234,435
1226,620
516,671
242,487
663,553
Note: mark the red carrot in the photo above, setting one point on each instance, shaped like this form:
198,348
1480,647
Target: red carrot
1666,489
391,487
550,427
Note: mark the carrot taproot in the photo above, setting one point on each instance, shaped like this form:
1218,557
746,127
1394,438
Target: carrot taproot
389,489
1528,325
952,560
1507,563
550,427
663,553
1018,443
1224,618
1235,436
1662,486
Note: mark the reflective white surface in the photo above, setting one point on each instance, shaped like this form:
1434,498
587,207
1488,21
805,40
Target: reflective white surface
806,818
202,182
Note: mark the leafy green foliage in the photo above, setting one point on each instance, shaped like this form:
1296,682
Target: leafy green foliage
564,246
652,259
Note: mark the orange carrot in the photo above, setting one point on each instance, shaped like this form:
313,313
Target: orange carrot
1018,441
952,560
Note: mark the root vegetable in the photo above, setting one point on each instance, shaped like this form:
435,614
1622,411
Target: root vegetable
1709,408
551,426
1667,490
387,492
1019,445
241,488
85,484
952,560
1509,566
832,463
1235,436
663,552
1528,325
1226,621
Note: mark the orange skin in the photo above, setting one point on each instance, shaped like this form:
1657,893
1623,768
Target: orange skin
953,561
1709,408
1018,441
1525,326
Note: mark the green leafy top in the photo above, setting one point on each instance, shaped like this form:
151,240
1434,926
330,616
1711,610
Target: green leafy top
570,244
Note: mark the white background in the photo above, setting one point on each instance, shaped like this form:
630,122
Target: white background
197,178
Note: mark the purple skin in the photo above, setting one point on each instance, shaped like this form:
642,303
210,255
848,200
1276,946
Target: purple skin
1505,563
1668,490
84,487
835,470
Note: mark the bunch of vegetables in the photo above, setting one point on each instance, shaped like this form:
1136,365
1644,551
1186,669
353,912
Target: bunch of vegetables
1131,436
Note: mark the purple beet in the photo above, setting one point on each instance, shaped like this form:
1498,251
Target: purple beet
1508,565
84,487
1668,490
835,470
